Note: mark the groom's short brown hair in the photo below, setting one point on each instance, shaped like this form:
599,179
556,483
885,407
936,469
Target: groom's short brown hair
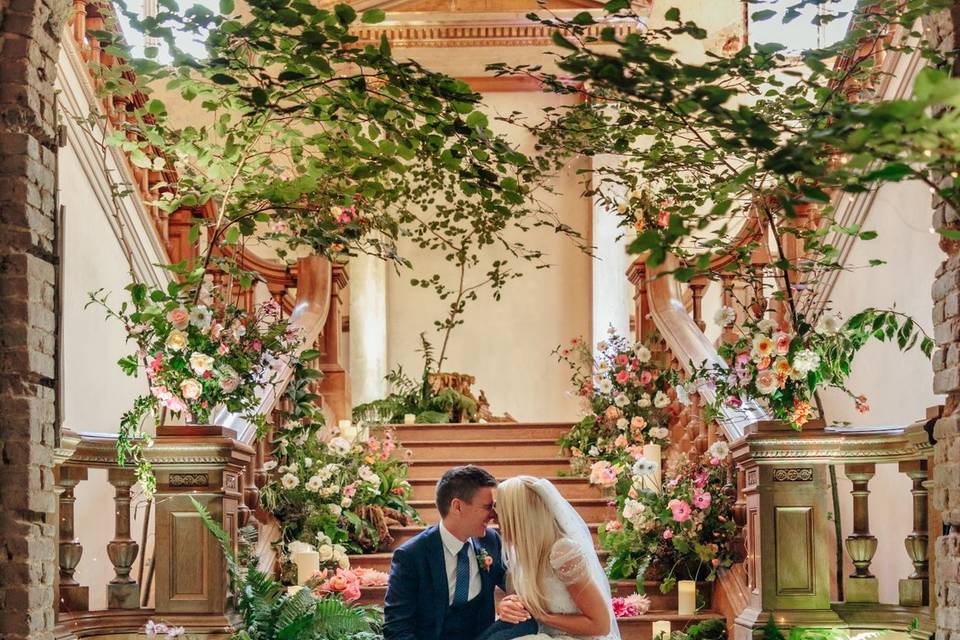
462,483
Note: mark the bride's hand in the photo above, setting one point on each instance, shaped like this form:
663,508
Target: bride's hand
511,610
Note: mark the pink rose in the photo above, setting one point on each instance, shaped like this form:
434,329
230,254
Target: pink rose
622,360
613,525
782,340
667,534
700,479
622,377
179,318
645,377
680,509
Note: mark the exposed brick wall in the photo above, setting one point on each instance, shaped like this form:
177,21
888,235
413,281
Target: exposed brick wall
946,370
29,34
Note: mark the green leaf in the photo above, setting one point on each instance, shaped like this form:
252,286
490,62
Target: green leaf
227,7
222,78
373,16
950,234
345,14
259,96
759,16
672,14
560,41
616,5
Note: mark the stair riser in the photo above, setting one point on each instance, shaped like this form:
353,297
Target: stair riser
399,537
425,489
486,450
590,513
408,435
499,468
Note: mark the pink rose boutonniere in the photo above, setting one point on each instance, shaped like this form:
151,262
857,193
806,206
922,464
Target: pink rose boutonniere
484,560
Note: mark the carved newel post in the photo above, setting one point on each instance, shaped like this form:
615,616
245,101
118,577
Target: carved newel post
205,463
123,592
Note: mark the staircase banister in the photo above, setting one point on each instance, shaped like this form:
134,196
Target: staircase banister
690,345
309,315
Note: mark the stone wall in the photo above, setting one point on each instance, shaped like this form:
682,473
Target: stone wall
946,365
29,34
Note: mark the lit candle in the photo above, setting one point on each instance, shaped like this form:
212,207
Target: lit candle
347,430
409,418
652,453
661,630
686,597
308,563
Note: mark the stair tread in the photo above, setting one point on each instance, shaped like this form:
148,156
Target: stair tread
460,443
552,479
572,501
506,426
454,462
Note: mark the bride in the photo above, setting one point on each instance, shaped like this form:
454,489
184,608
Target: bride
553,566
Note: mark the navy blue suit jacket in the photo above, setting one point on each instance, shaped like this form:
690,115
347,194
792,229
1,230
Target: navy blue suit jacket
418,596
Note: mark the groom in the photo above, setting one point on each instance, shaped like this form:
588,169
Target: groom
441,582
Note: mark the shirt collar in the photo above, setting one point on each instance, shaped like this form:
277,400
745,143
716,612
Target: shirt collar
452,543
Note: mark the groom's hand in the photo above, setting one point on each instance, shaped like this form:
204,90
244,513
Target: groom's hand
511,610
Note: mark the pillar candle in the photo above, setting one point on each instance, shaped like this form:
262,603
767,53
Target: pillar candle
409,418
652,452
661,627
294,589
308,563
686,597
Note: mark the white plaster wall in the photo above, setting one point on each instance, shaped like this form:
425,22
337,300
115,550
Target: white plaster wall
898,385
507,344
96,391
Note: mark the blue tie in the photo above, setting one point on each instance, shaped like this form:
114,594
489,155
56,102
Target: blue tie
462,591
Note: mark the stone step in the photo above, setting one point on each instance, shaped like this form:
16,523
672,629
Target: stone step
591,510
541,466
486,449
402,534
499,431
570,487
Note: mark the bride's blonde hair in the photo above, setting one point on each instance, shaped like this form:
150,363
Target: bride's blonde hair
529,531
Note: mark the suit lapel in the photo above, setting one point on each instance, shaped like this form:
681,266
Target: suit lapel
438,572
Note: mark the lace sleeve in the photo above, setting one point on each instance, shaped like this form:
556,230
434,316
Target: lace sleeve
568,561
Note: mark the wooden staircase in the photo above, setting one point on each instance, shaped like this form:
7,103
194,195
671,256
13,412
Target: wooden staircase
507,450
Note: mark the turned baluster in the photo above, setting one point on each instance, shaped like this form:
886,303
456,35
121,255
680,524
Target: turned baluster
740,514
251,494
697,286
80,23
123,592
915,590
73,596
861,544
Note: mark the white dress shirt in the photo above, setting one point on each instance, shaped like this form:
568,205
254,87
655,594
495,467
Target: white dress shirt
451,547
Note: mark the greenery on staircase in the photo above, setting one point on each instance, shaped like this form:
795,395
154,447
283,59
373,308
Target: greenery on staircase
268,612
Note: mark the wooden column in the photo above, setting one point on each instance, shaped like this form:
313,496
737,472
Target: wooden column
861,544
697,286
73,596
335,385
191,571
123,592
915,590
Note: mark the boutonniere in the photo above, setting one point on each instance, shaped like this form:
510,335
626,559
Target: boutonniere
484,560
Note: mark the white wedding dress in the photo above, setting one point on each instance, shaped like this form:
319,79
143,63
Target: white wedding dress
571,558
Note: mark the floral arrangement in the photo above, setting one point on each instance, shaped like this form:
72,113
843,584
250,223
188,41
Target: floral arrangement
160,629
197,351
631,606
686,527
782,367
337,494
627,398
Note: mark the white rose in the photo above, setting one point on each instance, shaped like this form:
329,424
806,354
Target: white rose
346,502
290,481
269,465
806,361
190,389
314,484
828,324
605,386
660,433
621,400
622,423
632,509
719,449
335,509
644,401
661,400
766,325
323,538
326,553
200,363
307,462
766,382
177,340
643,354
725,316
229,380
343,562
